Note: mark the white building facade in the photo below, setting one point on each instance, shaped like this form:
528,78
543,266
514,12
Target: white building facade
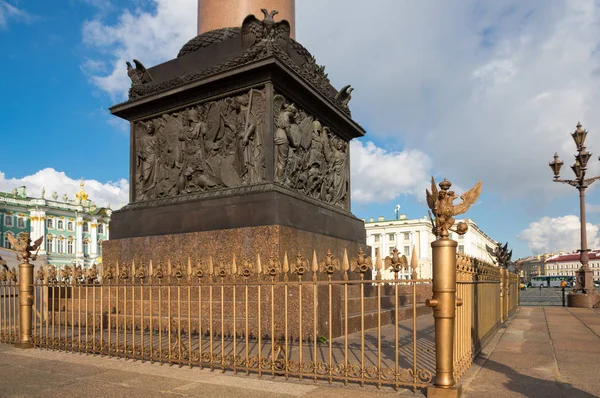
404,234
568,264
72,229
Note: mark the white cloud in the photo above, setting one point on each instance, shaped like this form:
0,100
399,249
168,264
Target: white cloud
490,90
114,193
10,12
379,175
152,37
559,233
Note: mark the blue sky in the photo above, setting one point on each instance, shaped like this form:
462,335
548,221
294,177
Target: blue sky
467,90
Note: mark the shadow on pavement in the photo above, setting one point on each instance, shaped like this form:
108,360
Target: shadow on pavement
531,386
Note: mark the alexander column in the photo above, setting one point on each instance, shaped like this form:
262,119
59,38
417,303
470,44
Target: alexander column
216,14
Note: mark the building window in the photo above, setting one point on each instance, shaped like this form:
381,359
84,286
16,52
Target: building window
406,235
461,249
377,238
391,237
60,246
85,227
70,225
86,248
407,251
50,245
99,247
6,241
69,247
49,223
100,229
60,224
20,222
8,220
376,251
461,237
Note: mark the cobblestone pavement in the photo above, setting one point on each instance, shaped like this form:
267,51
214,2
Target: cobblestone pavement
542,296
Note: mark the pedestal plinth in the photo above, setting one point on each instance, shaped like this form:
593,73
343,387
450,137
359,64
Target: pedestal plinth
583,300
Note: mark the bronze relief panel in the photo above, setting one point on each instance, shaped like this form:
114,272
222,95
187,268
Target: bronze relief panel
205,147
309,157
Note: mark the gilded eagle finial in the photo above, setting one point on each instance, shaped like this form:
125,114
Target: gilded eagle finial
441,205
25,250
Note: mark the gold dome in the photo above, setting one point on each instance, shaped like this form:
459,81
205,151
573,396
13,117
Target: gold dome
81,195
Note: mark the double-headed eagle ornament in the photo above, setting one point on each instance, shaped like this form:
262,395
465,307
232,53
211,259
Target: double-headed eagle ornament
24,248
440,203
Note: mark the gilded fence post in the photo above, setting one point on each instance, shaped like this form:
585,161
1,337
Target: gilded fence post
502,293
444,299
24,250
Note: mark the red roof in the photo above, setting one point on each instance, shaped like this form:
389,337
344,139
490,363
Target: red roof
572,257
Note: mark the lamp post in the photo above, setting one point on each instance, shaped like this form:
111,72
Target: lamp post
584,280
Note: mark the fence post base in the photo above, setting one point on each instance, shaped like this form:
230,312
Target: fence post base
23,345
452,392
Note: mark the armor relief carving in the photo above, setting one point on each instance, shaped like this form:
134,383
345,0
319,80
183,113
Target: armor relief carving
309,157
205,147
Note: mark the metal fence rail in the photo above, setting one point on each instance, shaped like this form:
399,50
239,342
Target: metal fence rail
489,294
330,320
320,320
9,307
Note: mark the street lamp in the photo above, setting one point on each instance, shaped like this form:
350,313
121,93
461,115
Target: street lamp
584,282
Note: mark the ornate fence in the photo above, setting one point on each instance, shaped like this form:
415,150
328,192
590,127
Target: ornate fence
322,320
330,319
489,294
9,306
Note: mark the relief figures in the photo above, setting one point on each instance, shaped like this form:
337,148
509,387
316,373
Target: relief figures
309,158
221,144
218,144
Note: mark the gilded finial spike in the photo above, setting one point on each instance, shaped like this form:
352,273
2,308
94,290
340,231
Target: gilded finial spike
286,264
211,268
151,268
133,268
378,265
345,261
117,268
414,261
315,263
169,266
189,267
233,265
258,264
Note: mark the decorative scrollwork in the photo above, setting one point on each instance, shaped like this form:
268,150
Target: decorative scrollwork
424,376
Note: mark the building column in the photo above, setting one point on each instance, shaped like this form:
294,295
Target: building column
94,238
79,237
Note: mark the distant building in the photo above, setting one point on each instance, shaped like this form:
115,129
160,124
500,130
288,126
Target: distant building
404,234
567,264
72,230
532,266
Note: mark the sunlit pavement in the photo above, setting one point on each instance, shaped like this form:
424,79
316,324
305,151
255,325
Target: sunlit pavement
546,351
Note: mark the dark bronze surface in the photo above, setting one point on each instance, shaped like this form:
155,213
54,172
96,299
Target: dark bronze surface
269,207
